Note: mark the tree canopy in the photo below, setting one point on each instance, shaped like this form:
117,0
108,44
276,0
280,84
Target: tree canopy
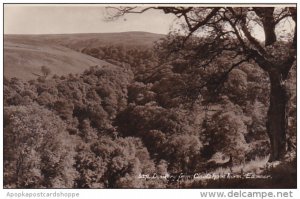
229,31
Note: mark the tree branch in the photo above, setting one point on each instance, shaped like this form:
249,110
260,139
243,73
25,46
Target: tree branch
246,32
205,21
236,32
259,59
121,11
282,15
251,39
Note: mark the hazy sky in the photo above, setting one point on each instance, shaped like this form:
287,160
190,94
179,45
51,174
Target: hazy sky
84,18
55,19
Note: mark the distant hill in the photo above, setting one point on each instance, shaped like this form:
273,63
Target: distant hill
25,54
80,41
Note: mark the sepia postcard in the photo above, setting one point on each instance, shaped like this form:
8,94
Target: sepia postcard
149,96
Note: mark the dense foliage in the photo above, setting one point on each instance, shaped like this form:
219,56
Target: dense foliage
107,126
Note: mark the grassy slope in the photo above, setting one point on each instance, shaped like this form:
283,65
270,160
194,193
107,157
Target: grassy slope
25,54
22,60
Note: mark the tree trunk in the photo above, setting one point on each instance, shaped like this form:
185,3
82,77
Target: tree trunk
277,116
269,28
266,15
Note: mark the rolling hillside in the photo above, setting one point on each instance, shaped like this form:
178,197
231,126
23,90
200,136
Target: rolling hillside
25,54
25,60
79,41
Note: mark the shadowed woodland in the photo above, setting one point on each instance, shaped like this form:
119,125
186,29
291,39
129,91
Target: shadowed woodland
209,97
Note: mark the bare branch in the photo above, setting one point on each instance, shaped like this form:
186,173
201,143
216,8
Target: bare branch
282,15
121,11
206,20
236,32
246,32
251,39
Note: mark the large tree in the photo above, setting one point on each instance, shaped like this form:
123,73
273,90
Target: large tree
234,29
